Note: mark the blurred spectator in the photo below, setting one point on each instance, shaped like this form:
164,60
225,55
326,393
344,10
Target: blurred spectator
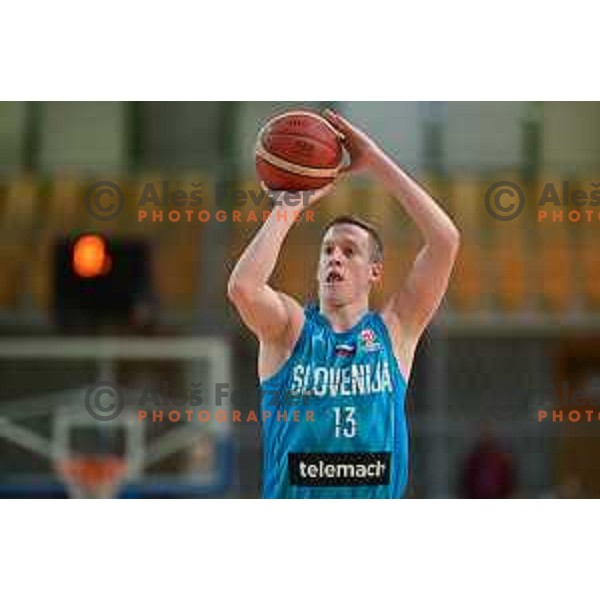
488,470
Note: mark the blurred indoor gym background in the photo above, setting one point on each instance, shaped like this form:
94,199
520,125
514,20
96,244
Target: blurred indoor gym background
519,326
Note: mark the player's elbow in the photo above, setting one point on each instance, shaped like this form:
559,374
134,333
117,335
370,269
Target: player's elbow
455,237
235,289
239,291
450,239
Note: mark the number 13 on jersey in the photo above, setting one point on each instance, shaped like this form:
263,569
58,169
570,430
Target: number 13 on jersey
345,421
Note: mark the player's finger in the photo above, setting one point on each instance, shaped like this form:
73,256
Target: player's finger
327,188
347,169
329,115
343,123
334,119
264,187
268,190
321,192
349,166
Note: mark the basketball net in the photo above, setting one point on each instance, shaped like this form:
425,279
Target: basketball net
94,476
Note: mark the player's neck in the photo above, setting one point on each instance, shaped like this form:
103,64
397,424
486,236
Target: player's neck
343,318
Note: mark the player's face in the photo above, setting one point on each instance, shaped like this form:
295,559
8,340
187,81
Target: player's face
346,270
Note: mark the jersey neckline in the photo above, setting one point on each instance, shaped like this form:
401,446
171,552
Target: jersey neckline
319,316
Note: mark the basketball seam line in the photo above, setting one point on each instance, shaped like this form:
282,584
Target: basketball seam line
317,173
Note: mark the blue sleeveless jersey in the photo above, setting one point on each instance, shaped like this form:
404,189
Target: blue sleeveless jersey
333,421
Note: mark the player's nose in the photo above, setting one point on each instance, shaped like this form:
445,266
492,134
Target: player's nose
336,256
334,261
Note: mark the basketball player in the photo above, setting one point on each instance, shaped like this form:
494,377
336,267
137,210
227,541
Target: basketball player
349,366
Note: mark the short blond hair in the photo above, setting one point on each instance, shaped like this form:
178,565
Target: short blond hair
374,235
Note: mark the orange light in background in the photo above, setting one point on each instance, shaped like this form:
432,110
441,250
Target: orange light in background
90,256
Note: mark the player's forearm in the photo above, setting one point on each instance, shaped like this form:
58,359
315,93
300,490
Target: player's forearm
257,263
435,225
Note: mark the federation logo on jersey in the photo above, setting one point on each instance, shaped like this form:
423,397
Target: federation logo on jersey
369,340
345,350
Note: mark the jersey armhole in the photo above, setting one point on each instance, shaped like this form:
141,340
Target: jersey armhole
386,334
286,362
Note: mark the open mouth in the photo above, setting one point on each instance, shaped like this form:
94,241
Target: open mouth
333,277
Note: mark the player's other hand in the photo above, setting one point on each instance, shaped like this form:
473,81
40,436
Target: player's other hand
297,200
361,148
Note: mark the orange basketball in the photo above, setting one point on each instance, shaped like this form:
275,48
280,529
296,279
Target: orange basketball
298,151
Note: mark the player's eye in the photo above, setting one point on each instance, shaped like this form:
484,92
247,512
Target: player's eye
328,250
349,252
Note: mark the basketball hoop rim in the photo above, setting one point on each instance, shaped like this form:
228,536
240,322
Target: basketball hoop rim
93,476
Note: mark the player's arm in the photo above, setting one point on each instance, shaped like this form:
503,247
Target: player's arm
267,312
415,301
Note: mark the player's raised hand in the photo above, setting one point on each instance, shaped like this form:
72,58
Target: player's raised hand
358,144
299,199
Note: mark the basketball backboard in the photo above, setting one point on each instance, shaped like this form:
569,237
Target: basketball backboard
122,410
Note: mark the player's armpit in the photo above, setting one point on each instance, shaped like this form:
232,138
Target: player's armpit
269,314
416,302
403,343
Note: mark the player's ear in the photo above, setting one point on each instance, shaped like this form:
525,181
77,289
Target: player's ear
376,272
